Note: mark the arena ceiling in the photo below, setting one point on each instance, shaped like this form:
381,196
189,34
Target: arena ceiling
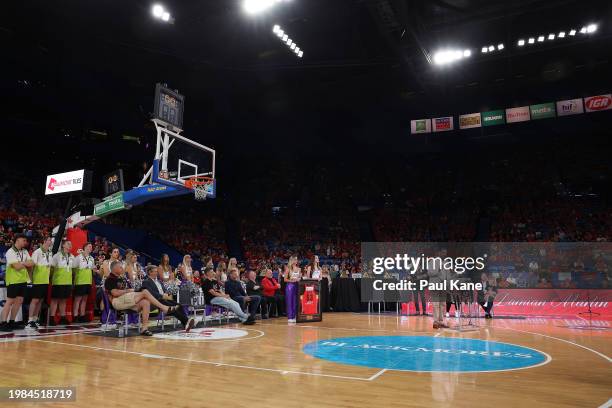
95,63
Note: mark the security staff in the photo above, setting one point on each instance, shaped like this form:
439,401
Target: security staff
40,281
61,280
18,262
83,269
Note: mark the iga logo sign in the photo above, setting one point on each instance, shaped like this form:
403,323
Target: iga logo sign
204,334
598,103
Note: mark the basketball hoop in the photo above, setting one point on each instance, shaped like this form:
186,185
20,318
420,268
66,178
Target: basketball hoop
200,185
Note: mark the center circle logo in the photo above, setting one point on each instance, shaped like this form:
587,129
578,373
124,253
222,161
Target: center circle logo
203,334
424,353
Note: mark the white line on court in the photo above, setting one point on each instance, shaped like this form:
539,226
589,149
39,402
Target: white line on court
217,364
378,374
607,404
563,340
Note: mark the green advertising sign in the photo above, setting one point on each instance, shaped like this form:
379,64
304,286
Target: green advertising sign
110,206
495,117
543,111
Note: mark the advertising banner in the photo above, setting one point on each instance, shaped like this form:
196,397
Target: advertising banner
515,115
443,124
420,126
491,118
598,103
469,121
65,182
542,111
569,107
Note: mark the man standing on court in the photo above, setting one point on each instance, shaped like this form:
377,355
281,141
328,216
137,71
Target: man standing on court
18,262
40,281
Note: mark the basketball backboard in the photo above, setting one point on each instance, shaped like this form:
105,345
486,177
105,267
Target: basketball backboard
178,160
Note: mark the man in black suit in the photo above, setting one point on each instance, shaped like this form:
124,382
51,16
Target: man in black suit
155,287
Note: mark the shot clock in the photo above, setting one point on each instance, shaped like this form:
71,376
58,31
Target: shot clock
169,105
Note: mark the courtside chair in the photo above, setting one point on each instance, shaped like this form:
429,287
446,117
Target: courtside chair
114,315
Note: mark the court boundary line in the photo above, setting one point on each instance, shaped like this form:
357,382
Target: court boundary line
213,363
608,359
606,404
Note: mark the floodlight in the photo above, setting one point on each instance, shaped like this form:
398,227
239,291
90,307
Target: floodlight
531,40
285,37
165,16
491,48
572,32
300,54
561,34
257,6
289,42
541,38
297,49
280,33
157,10
276,28
583,30
292,46
521,43
591,28
500,47
551,36
467,53
484,50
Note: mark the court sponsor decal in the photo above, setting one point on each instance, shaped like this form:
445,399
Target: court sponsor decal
425,353
203,334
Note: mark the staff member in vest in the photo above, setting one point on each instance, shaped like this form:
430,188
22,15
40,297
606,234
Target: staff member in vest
83,269
18,262
61,280
40,281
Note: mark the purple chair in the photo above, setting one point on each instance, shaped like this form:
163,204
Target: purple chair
109,314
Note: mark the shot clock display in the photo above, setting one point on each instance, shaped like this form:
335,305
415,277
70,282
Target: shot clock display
169,106
113,182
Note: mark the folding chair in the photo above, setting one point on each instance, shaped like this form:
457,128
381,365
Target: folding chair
114,315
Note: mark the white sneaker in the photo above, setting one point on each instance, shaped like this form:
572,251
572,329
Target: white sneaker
457,314
31,326
447,315
291,320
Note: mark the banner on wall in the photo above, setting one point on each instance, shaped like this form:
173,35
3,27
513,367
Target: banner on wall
420,126
598,103
491,118
542,111
515,115
470,121
443,124
570,107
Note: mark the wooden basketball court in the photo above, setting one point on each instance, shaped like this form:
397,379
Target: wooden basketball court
268,367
